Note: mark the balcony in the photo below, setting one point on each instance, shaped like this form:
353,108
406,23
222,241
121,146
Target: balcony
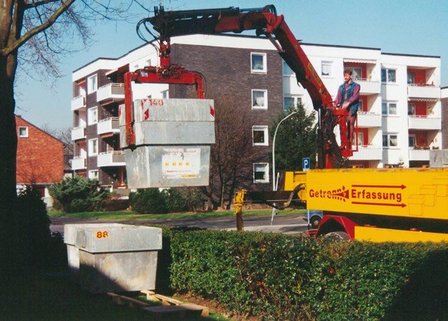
369,87
110,93
78,133
416,154
368,119
112,158
78,102
424,92
368,152
108,126
424,122
79,163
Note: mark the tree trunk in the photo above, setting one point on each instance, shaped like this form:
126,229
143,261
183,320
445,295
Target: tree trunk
8,135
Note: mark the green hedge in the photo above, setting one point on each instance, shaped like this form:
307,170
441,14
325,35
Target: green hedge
279,277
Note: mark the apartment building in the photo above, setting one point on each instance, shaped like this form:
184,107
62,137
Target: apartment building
444,97
40,158
399,119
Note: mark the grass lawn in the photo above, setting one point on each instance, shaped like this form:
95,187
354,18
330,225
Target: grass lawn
56,298
130,215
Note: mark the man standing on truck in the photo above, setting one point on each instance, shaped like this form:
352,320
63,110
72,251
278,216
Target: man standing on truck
348,98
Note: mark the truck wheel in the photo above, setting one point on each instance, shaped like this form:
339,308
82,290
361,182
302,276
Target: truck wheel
337,236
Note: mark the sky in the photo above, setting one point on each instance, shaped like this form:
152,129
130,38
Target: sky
395,26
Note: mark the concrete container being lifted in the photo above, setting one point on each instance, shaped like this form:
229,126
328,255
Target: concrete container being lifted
172,142
113,257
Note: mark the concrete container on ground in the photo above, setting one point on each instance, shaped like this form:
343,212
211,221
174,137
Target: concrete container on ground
114,257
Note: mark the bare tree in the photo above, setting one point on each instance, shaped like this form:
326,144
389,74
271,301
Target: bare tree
233,154
35,33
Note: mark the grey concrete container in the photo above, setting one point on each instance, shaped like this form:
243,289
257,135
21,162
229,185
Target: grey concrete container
114,257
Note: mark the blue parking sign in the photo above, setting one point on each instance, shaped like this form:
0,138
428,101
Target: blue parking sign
306,163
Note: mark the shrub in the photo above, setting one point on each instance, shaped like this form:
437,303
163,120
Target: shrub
26,241
149,200
182,199
280,277
78,194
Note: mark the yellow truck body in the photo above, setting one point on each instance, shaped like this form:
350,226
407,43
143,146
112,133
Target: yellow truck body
419,194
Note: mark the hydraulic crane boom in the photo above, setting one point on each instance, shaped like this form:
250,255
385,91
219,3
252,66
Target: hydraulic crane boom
264,21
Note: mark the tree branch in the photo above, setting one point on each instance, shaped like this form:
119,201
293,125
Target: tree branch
48,23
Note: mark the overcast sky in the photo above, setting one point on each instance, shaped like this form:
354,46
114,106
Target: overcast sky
395,26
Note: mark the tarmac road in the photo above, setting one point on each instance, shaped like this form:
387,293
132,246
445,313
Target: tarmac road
291,223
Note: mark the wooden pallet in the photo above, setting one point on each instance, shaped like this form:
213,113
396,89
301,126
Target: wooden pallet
170,307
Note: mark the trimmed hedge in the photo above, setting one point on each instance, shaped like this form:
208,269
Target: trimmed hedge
279,277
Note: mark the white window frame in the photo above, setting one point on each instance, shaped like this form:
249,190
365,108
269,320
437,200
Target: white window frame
25,133
165,94
263,68
389,137
385,77
93,147
92,115
326,68
265,170
265,98
94,174
92,83
297,99
387,106
265,130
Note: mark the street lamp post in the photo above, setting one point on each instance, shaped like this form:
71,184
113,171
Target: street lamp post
274,181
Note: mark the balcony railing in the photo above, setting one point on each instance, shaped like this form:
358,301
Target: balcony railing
368,152
423,91
108,126
419,154
368,119
78,102
79,163
113,158
78,133
424,122
110,92
369,87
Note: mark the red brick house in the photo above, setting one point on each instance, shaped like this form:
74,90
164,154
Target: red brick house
40,157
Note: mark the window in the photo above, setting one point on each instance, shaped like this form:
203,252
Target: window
93,147
261,173
93,174
411,77
92,116
356,73
390,140
388,75
326,68
287,71
411,109
360,139
260,136
291,102
165,94
258,62
259,99
412,140
389,108
92,84
23,131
